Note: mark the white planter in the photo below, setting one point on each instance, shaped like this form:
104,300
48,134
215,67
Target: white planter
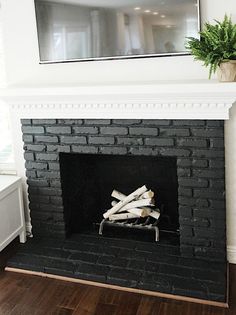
226,71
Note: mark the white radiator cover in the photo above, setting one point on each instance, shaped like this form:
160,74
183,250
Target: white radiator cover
12,221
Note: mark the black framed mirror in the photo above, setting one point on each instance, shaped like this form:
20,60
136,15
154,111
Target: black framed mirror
82,30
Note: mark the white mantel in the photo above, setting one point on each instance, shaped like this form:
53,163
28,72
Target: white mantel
150,100
161,100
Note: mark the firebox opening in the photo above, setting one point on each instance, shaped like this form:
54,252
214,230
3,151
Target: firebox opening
88,180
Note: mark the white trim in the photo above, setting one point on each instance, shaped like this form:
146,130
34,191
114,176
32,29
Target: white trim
231,254
192,100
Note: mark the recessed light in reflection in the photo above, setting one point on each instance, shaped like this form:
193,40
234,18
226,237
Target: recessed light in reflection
137,8
147,11
163,16
168,26
155,13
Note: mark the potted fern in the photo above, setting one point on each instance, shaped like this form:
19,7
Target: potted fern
216,48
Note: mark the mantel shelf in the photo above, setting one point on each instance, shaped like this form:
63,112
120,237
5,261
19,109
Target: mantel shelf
160,100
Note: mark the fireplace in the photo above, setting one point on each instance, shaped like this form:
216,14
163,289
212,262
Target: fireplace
159,124
196,148
88,180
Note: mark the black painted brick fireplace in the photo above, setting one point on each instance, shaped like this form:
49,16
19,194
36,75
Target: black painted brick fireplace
193,266
197,145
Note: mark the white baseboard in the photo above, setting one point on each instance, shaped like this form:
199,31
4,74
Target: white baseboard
231,254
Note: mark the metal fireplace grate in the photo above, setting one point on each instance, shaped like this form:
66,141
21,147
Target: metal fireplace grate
147,225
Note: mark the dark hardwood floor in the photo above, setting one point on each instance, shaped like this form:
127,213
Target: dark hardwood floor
32,295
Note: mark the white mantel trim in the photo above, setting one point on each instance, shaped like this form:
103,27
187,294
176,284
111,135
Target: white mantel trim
175,100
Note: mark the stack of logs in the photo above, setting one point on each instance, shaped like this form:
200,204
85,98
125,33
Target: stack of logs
136,205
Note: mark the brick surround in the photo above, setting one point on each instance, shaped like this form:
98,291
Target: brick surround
198,146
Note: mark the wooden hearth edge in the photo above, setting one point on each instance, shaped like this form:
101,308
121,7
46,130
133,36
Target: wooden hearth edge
116,287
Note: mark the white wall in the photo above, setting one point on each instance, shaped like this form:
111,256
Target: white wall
22,57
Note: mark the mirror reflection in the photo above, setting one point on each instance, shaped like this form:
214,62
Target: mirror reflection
91,29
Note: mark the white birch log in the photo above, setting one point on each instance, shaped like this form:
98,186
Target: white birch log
123,216
124,202
154,213
147,194
137,204
139,211
118,195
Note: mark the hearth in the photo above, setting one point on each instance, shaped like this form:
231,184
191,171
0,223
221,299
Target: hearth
181,160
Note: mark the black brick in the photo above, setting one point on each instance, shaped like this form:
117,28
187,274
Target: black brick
217,183
127,274
138,131
200,163
208,132
69,122
183,172
101,140
186,231
163,142
30,174
56,200
209,173
48,175
113,150
208,193
59,130
203,203
215,123
188,122
32,130
73,139
38,183
44,121
184,162
112,261
35,147
27,138
130,141
54,166
126,122
55,183
180,132
175,152
193,182
35,165
97,122
157,122
185,192
185,211
86,149
114,130
192,143
187,201
85,130
143,151
29,156
208,153
46,139
46,156
217,143
217,164
58,148
26,121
